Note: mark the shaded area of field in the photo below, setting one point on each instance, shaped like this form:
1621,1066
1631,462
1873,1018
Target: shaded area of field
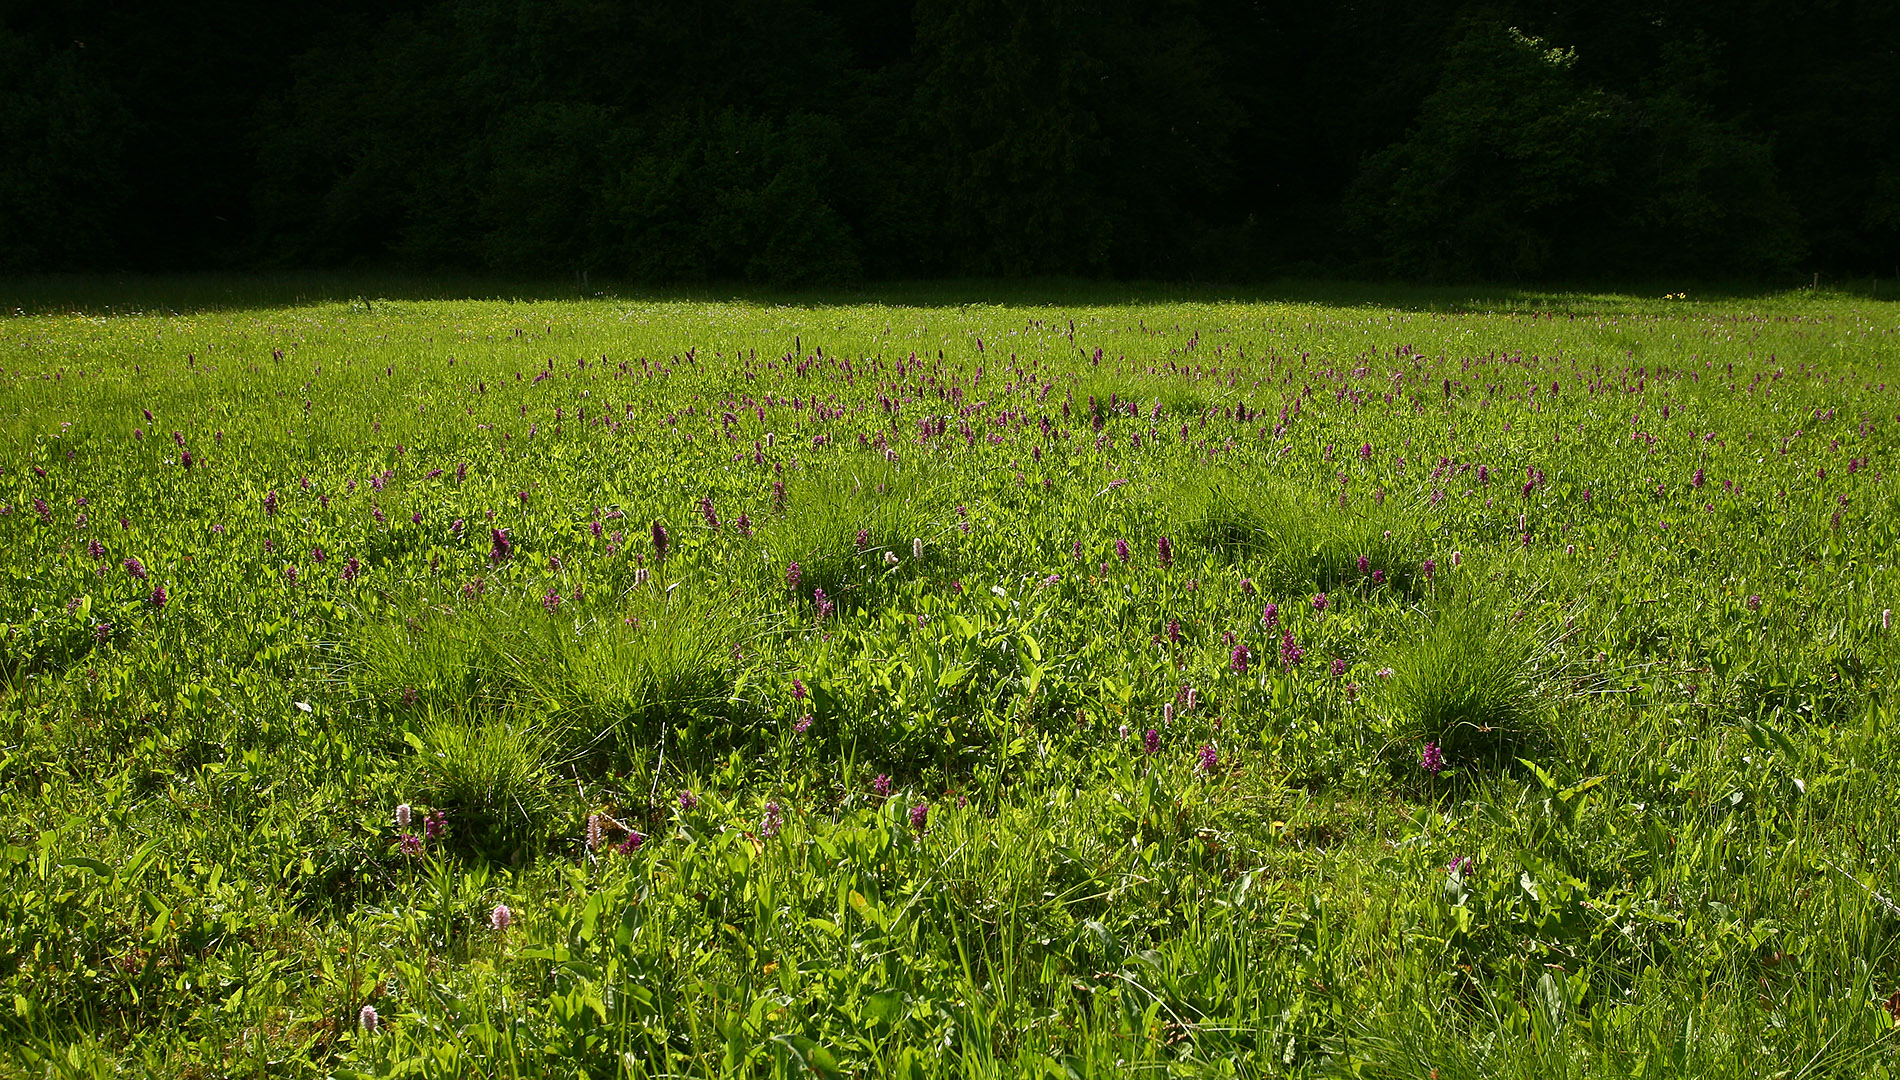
175,294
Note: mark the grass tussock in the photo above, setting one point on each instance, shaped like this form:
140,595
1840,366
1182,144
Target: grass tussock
1476,679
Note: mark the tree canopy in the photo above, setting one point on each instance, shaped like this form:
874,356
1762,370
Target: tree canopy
816,141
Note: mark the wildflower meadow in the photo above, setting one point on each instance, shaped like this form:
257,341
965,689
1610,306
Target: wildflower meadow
1404,684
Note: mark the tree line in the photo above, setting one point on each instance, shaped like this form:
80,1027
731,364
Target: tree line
822,141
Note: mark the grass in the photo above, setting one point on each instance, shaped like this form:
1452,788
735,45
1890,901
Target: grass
1626,561
1476,684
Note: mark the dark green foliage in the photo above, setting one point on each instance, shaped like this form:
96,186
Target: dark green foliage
542,203
646,158
1697,190
733,196
806,142
1519,167
1069,136
1507,146
61,176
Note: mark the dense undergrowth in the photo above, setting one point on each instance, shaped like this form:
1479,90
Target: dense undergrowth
669,687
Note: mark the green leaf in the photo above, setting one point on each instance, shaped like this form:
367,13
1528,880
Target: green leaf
1771,738
1551,996
808,1055
1542,776
885,1006
1571,792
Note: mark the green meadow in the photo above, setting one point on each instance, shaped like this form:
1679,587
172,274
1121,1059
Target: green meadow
953,681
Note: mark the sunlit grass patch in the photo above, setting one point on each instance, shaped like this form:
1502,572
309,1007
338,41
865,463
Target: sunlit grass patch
1520,699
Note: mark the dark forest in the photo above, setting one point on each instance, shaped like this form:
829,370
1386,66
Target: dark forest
797,142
